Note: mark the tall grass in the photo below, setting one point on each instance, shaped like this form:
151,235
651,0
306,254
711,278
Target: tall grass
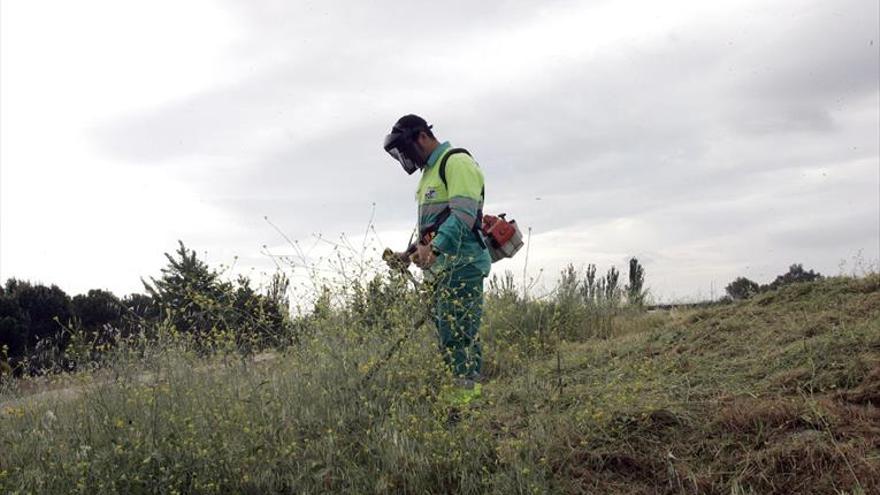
582,398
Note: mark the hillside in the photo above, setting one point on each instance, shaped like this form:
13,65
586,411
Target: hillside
777,394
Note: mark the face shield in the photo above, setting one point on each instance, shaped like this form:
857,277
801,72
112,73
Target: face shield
400,146
408,165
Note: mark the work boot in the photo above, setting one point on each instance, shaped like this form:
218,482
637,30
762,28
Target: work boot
463,392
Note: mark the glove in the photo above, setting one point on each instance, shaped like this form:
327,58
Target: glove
396,260
425,256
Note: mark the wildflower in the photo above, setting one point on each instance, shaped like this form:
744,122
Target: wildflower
18,412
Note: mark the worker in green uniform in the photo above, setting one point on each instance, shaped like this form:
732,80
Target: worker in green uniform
451,249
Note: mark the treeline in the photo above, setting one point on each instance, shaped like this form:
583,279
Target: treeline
743,288
42,328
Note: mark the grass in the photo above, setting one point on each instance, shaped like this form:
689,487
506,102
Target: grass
778,394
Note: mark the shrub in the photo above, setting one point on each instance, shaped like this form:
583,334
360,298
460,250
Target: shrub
795,274
741,288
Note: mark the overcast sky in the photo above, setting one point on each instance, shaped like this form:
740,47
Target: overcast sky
709,139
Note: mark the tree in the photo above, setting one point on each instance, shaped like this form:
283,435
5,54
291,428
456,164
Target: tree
567,290
635,290
189,293
140,312
32,322
97,308
795,274
141,307
46,309
741,288
612,291
195,300
589,287
257,314
13,328
323,307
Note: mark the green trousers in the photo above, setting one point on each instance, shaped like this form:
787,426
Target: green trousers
457,310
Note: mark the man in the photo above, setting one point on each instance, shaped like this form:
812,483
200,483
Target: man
450,248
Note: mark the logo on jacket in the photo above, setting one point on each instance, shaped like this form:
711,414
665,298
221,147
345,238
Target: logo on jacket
431,193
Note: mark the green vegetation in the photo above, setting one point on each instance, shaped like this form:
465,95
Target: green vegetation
43,330
774,394
743,288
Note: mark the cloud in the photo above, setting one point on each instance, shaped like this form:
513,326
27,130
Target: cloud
687,133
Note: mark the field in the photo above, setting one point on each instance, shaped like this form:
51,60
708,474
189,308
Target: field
776,394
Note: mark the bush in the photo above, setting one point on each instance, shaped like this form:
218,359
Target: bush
741,288
796,274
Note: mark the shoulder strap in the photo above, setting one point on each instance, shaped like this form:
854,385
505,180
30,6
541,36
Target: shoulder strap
451,152
479,223
443,167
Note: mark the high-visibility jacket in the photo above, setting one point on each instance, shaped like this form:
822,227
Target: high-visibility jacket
461,254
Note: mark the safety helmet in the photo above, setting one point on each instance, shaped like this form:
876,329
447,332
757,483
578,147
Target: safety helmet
401,142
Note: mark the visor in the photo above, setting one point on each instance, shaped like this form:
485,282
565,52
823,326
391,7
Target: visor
395,144
408,165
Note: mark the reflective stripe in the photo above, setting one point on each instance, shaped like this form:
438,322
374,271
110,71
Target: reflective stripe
466,218
465,209
429,213
463,203
433,208
463,254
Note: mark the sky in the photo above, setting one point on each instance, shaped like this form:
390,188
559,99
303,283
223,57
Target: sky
710,140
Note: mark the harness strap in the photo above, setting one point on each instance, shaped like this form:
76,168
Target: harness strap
478,223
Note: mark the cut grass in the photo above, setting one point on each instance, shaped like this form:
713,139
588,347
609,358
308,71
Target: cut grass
778,394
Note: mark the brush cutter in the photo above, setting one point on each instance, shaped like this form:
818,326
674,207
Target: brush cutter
399,265
460,397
